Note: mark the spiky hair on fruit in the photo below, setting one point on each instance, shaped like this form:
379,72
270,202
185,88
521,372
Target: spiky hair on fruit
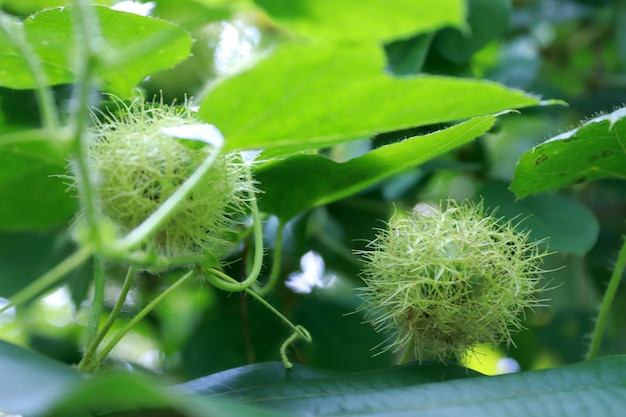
136,167
442,280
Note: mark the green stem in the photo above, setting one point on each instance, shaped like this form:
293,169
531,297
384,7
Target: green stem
607,301
117,308
86,60
15,32
147,309
296,329
51,277
166,210
276,262
152,260
93,322
226,283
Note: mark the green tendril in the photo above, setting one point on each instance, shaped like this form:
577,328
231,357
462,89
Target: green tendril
299,333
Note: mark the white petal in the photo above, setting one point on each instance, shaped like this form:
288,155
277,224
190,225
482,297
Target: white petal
312,263
202,132
300,283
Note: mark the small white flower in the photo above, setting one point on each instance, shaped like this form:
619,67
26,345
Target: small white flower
312,275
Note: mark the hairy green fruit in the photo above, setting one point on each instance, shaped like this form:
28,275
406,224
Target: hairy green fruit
440,281
137,167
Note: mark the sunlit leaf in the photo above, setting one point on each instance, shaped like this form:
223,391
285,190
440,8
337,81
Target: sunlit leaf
309,97
363,19
132,47
595,150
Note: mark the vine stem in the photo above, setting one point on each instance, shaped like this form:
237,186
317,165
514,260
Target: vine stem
51,277
276,262
92,347
87,36
224,282
15,32
144,312
607,301
97,302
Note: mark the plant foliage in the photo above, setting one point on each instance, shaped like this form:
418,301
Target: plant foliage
328,119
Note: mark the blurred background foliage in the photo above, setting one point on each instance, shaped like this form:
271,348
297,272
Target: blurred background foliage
573,50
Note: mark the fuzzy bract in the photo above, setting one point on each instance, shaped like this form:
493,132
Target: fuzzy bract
136,167
441,280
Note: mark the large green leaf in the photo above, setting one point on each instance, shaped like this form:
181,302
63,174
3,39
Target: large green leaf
309,97
26,7
33,385
595,150
300,182
363,19
51,34
595,387
30,163
271,376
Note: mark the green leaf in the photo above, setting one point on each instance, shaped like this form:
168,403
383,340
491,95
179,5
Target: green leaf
567,225
595,150
30,382
132,395
30,163
407,56
33,385
26,7
301,182
310,97
594,387
487,20
133,47
251,381
231,381
363,19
